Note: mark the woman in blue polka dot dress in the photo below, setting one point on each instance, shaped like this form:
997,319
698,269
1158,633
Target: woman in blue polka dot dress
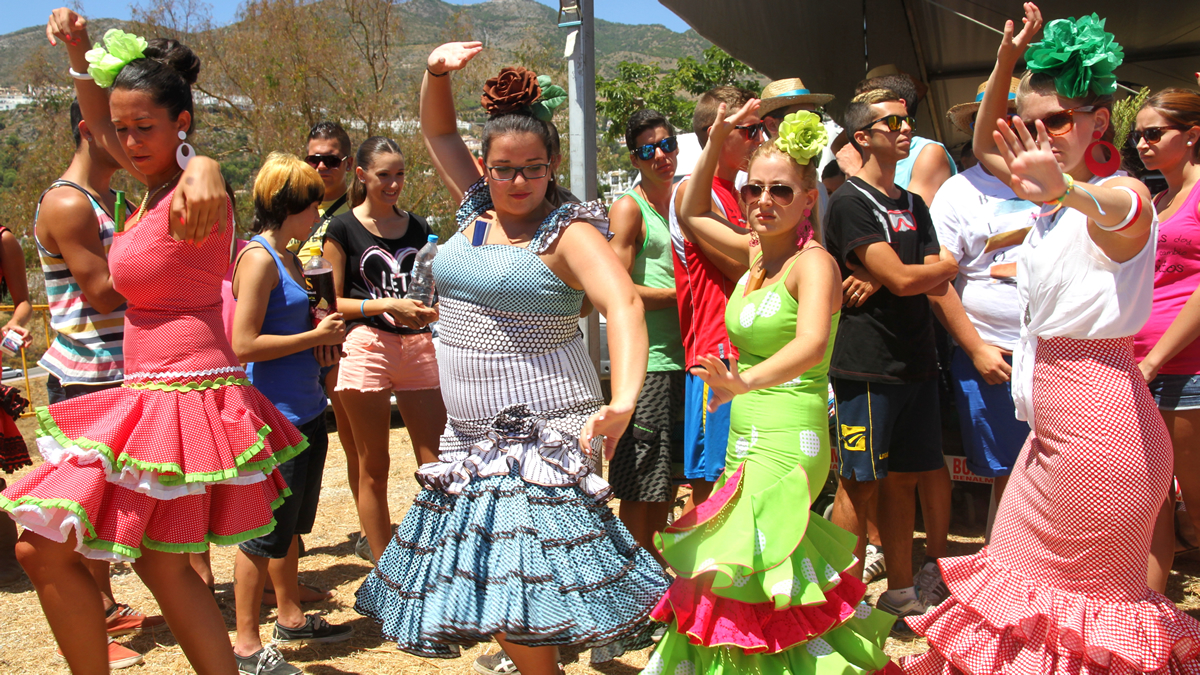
510,538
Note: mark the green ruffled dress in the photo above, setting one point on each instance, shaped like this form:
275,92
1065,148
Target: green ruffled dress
762,584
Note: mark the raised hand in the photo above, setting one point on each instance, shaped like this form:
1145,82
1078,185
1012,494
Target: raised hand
452,56
64,24
1012,47
725,382
609,422
724,125
1036,174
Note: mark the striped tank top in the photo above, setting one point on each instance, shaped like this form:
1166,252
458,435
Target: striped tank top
88,346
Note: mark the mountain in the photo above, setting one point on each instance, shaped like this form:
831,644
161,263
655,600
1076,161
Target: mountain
503,24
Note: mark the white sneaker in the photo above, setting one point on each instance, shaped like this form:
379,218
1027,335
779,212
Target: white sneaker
890,603
931,588
874,564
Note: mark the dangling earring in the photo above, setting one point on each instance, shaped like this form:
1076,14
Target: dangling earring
185,152
1101,169
804,232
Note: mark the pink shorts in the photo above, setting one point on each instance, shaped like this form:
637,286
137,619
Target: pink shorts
376,360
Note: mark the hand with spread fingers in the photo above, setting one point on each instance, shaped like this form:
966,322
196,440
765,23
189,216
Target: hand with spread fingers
1036,174
725,381
1012,47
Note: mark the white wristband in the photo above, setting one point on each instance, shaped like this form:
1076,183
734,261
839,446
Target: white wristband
78,76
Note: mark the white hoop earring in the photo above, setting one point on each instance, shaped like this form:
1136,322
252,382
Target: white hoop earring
185,152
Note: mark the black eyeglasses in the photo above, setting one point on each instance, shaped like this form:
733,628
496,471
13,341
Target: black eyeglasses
507,173
330,161
644,152
894,122
752,130
1151,134
780,194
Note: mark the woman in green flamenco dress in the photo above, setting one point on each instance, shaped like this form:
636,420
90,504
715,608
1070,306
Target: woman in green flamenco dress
761,584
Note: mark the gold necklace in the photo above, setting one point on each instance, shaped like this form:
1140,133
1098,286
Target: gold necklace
150,195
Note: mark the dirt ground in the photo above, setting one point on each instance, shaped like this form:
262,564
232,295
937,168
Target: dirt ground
27,646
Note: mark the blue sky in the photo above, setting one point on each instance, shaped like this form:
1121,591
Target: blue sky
20,14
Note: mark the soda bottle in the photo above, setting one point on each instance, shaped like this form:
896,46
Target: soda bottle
420,286
318,275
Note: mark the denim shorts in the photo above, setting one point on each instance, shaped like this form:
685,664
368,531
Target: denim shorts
298,511
1176,392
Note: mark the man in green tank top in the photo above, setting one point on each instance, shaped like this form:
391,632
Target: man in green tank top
640,471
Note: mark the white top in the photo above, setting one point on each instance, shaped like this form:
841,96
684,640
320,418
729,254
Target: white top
983,224
1070,288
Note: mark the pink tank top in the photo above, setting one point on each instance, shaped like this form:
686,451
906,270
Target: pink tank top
1176,275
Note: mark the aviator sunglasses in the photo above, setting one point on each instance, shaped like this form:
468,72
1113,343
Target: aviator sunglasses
780,194
894,122
1151,134
645,152
330,161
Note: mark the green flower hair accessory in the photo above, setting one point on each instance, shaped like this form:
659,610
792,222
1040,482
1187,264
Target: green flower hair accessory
1079,54
552,98
119,48
802,136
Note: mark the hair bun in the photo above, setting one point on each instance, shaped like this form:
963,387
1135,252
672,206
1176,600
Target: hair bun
175,55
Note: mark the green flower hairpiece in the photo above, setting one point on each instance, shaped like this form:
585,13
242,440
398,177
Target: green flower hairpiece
802,136
553,96
119,49
1079,54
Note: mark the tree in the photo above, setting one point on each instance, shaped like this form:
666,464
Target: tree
638,86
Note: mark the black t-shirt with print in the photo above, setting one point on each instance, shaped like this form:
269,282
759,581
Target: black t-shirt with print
889,338
377,267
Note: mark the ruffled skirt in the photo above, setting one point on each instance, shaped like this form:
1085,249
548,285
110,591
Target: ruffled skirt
512,537
169,466
1062,587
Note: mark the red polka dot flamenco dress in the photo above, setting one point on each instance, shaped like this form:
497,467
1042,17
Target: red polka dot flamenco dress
184,453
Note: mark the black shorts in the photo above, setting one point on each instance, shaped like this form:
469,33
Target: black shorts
640,469
298,511
887,427
57,392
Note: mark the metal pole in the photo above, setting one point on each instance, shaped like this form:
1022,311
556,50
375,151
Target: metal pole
581,89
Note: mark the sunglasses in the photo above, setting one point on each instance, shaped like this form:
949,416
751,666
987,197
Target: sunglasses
894,122
1151,134
752,130
1058,124
780,194
330,161
645,152
507,173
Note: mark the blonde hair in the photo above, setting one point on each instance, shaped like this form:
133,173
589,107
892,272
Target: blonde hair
1043,84
284,187
806,175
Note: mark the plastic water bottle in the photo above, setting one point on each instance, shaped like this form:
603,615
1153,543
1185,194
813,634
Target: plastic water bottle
420,286
318,273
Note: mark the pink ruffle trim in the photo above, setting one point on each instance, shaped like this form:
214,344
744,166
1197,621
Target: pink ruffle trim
712,506
713,621
999,621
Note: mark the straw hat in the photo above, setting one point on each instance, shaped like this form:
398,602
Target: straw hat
960,115
786,92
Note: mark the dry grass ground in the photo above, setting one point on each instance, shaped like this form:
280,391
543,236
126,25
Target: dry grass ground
27,647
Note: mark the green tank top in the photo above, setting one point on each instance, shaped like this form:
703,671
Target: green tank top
764,321
653,268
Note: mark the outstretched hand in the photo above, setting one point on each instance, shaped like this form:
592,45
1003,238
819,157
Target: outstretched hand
1012,47
609,422
725,382
452,56
64,24
1036,174
724,125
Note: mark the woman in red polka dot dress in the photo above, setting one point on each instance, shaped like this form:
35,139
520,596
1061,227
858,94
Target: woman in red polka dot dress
184,453
1061,587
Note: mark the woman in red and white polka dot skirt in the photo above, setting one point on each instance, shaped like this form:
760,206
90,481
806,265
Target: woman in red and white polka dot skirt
1061,588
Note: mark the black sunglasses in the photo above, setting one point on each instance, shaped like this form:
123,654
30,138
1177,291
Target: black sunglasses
330,161
752,130
780,194
644,152
1151,134
894,122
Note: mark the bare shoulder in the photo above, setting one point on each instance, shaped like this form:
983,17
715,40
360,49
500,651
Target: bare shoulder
1128,182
